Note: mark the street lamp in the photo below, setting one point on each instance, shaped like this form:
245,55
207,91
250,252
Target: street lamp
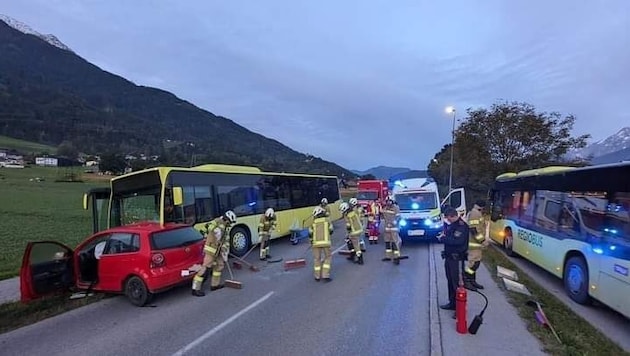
451,110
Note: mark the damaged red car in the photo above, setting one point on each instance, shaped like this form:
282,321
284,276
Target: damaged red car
137,260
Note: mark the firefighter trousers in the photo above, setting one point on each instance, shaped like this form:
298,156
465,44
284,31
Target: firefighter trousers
322,258
209,264
356,247
264,244
392,244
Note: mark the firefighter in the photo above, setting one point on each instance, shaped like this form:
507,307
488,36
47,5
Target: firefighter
324,205
216,251
319,236
476,242
355,230
360,212
391,214
374,211
455,248
265,226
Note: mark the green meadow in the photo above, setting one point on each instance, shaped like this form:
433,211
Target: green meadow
33,207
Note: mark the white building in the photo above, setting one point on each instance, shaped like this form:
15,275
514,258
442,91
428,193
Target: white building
46,161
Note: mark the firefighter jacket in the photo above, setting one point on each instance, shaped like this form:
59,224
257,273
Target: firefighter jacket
326,209
373,211
353,223
391,214
319,232
476,224
216,235
266,224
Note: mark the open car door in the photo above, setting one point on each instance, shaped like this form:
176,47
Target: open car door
456,199
97,200
47,268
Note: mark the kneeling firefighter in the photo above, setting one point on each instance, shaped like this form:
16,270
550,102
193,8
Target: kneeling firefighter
355,232
266,225
319,236
216,250
476,242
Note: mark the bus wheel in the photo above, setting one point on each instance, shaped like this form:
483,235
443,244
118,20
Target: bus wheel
576,280
508,240
240,241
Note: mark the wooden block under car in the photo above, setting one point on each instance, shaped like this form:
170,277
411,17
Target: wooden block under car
291,264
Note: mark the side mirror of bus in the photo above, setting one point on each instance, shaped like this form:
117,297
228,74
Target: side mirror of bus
178,196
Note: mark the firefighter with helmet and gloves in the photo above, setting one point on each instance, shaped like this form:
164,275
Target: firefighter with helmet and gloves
355,231
391,215
265,226
455,248
319,236
324,205
477,241
216,251
358,209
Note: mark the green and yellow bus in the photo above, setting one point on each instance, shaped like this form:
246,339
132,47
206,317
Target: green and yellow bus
197,195
572,222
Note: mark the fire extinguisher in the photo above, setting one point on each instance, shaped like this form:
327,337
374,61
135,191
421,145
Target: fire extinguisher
460,308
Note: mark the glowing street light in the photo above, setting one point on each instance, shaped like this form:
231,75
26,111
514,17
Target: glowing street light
451,110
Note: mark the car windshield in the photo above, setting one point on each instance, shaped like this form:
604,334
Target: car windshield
175,238
367,195
417,201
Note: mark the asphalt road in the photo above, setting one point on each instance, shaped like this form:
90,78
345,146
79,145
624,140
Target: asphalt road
374,309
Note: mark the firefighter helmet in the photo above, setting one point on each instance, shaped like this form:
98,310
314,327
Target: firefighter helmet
269,213
353,202
318,211
229,216
343,207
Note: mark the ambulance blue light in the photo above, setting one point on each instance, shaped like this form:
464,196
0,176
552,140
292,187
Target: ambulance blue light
403,222
598,250
415,206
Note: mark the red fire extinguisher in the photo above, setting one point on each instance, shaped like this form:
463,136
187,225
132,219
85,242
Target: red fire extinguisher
460,306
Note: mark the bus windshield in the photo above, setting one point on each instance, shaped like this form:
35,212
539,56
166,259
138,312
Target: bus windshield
136,198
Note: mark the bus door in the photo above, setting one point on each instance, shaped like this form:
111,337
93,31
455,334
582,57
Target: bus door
97,200
456,199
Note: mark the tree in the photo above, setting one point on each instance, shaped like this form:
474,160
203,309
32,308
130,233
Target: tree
66,149
508,137
112,162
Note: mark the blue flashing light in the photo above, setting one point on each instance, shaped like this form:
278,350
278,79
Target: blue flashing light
402,222
427,222
415,206
612,247
252,203
598,250
612,231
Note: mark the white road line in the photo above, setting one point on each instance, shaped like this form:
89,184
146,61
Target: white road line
222,325
338,249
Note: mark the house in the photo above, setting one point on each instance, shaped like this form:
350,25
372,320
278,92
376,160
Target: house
46,161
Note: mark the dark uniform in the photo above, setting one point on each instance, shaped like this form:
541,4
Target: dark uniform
455,250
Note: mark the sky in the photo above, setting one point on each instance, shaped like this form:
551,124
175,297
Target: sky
361,83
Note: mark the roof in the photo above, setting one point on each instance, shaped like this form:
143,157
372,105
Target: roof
147,226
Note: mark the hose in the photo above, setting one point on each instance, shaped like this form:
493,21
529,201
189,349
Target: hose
486,301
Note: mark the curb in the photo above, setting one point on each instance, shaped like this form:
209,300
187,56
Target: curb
435,326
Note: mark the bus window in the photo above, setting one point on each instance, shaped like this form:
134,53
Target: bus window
528,208
203,203
551,215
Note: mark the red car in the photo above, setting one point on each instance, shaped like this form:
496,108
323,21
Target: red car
137,260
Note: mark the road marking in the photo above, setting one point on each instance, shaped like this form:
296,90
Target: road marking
338,249
222,325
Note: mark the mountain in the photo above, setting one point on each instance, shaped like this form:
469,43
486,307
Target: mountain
50,95
614,157
26,29
615,143
382,172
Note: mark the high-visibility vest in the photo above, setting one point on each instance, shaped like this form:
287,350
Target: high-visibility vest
320,232
211,240
353,223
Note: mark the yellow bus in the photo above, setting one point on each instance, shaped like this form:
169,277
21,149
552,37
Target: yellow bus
574,223
197,195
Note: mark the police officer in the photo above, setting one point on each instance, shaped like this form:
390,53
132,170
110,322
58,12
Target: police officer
476,243
455,248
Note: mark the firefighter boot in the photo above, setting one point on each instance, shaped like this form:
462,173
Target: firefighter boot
360,259
198,293
396,260
468,284
473,280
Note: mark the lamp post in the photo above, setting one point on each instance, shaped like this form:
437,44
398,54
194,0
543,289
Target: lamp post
451,110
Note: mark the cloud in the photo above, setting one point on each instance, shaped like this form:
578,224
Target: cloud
360,83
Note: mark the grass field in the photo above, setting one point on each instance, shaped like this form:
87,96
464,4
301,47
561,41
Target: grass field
45,210
577,335
24,146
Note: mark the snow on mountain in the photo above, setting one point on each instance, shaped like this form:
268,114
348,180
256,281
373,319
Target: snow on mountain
617,142
24,28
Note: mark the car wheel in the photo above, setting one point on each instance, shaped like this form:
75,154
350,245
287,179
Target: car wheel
240,241
137,292
576,280
508,242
